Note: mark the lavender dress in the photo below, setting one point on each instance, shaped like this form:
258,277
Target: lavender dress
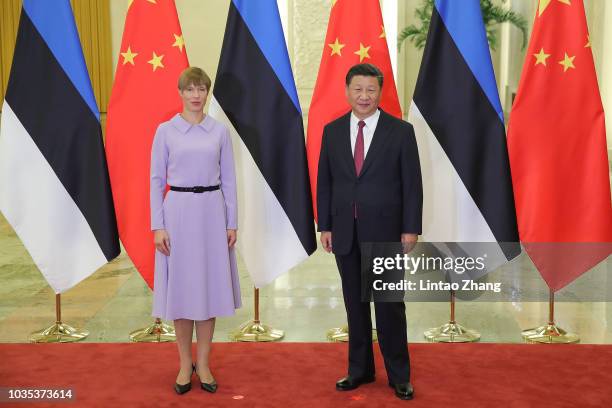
199,280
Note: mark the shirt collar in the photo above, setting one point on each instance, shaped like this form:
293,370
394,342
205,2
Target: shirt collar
183,126
369,121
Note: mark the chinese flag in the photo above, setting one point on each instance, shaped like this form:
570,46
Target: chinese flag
144,94
355,34
557,148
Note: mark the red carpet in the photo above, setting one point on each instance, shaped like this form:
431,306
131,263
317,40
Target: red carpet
303,374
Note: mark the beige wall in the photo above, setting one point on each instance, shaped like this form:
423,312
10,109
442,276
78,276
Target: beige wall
409,60
307,28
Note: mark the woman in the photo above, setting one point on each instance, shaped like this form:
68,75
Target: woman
196,278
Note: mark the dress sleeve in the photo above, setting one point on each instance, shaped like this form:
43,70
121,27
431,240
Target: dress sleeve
159,164
228,180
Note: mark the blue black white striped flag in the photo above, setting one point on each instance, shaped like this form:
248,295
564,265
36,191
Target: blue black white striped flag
255,96
54,186
459,126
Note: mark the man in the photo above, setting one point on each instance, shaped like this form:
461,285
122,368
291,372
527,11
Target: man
369,190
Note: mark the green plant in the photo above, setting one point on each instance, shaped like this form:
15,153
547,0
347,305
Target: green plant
491,14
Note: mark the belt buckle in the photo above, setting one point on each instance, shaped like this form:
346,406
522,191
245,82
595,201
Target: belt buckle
198,189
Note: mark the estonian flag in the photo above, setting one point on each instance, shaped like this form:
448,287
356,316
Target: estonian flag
54,187
254,95
459,126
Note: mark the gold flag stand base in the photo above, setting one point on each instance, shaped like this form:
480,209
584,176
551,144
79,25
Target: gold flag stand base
254,330
451,332
550,333
58,332
340,334
158,332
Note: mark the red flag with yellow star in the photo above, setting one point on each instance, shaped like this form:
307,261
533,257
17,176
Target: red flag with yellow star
144,94
557,148
355,34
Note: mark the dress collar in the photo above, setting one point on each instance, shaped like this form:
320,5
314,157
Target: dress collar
183,126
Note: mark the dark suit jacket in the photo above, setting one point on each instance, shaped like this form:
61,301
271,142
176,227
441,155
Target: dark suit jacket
388,193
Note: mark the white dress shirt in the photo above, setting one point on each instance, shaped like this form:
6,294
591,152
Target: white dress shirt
368,131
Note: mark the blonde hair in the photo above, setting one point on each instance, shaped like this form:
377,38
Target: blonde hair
194,76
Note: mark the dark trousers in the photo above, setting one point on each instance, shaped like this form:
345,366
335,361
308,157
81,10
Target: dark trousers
390,324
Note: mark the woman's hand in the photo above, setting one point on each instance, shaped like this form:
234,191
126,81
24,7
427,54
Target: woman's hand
162,241
231,237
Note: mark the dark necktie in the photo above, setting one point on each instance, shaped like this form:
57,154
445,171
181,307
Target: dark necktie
358,156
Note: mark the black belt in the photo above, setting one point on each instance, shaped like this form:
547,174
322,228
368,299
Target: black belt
196,189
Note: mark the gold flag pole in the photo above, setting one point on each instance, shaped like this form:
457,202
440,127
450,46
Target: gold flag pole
451,332
58,332
158,332
254,330
550,333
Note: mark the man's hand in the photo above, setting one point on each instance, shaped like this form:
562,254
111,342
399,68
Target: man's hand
409,241
326,240
162,241
231,237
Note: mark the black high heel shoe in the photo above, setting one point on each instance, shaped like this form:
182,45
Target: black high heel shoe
212,387
183,388
209,387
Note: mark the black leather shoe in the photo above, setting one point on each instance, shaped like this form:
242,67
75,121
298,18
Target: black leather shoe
210,387
350,383
183,388
403,391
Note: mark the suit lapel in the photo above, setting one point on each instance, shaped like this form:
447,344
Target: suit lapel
345,143
378,140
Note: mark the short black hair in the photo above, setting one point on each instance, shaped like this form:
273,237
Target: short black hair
364,70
